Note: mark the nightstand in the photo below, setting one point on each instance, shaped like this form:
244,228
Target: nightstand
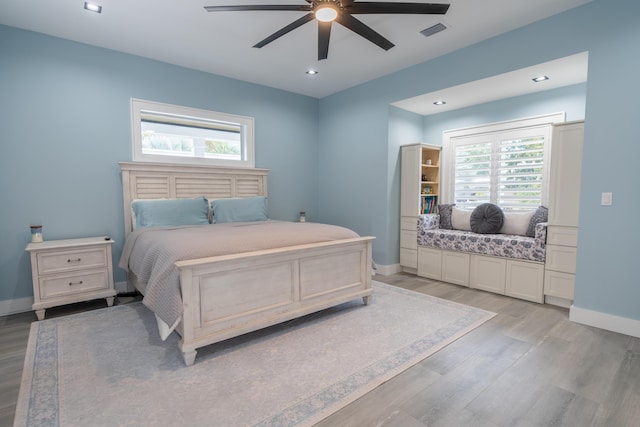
72,270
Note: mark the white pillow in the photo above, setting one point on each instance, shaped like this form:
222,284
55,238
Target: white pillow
461,219
516,222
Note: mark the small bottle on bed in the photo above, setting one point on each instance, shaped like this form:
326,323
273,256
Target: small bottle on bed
303,217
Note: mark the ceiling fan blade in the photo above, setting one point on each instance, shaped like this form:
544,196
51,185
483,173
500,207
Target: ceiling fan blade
284,30
324,31
364,30
408,8
286,7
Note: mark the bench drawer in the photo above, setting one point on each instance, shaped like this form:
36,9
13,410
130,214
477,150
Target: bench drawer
561,258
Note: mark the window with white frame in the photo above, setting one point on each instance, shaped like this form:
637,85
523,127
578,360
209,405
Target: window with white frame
504,164
168,133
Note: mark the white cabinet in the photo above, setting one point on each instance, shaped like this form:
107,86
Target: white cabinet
430,263
564,210
419,190
455,268
565,174
488,273
512,277
72,270
525,280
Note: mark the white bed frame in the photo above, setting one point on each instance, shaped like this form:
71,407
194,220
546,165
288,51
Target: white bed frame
226,296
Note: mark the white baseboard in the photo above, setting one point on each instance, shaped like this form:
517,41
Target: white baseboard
14,306
388,270
622,325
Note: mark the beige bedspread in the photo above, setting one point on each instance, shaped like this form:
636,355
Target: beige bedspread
151,253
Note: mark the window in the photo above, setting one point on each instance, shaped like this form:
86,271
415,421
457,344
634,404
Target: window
172,134
504,164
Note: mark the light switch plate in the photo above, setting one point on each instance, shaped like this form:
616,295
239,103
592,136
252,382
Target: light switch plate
606,199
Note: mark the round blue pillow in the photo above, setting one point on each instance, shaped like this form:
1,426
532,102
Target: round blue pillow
487,218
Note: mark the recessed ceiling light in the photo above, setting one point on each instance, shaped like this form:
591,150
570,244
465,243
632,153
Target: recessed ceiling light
441,102
311,72
540,79
93,7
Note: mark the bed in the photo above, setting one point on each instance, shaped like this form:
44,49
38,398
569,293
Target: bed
228,294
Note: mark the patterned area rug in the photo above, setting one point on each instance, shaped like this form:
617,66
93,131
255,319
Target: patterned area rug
108,367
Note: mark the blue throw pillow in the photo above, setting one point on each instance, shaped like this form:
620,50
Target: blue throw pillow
170,212
445,212
540,215
240,210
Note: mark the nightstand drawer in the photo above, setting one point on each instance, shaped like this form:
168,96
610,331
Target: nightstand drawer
54,286
63,261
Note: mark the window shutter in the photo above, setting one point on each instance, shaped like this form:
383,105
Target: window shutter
520,172
473,174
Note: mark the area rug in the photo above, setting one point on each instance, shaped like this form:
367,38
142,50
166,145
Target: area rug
108,367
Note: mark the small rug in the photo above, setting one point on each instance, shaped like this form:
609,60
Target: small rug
108,367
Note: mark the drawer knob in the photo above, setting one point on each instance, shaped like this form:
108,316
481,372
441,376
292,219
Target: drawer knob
74,260
75,283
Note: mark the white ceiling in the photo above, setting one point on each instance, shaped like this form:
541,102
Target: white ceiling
561,72
183,33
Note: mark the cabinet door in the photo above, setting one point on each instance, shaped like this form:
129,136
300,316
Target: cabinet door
488,273
410,180
455,268
525,280
559,284
430,263
565,174
409,239
408,258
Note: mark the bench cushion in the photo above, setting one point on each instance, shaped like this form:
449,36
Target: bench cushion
500,245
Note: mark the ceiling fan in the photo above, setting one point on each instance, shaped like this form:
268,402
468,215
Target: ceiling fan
340,11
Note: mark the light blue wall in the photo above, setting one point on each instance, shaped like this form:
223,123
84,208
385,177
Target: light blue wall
610,30
65,125
404,128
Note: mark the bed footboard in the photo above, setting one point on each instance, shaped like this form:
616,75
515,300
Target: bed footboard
230,295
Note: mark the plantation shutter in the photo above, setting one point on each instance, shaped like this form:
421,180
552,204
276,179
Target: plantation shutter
473,168
507,168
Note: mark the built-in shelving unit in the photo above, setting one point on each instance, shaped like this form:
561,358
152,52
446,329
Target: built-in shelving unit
420,189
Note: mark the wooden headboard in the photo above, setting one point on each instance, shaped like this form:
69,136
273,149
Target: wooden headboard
168,181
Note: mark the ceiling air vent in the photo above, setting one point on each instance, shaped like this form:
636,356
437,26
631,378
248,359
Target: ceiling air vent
433,29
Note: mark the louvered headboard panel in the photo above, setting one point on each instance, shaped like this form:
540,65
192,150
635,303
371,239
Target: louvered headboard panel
166,181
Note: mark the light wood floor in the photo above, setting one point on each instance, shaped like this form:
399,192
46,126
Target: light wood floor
528,366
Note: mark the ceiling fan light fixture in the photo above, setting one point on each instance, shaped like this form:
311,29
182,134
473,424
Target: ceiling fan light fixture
326,13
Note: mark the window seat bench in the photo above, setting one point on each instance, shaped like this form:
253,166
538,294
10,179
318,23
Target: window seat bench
507,264
499,245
